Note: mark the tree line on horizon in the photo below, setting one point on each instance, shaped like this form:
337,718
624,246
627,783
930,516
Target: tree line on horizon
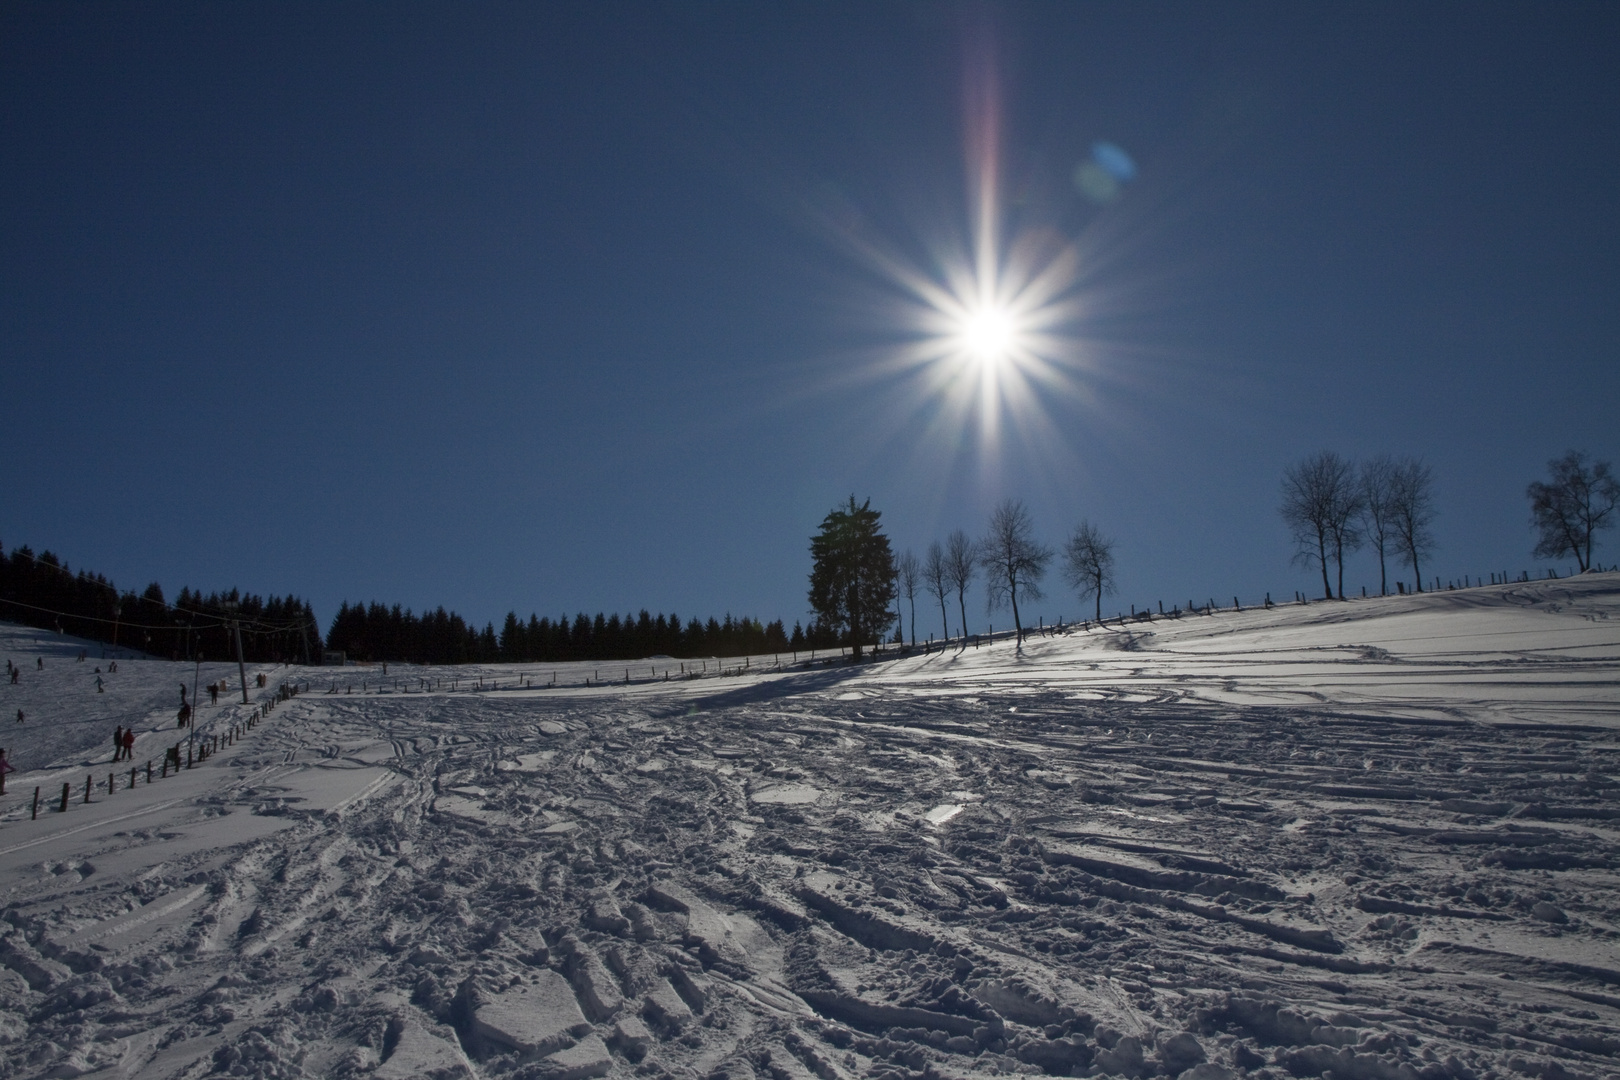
855,575
44,592
375,633
1334,506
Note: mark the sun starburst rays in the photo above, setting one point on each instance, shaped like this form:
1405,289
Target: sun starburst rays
992,340
984,358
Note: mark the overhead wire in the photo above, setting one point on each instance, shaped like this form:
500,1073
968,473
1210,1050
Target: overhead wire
251,626
83,578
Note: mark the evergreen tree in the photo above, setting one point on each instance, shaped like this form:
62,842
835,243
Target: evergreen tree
512,639
852,574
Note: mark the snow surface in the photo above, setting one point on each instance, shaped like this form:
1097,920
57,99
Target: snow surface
1377,840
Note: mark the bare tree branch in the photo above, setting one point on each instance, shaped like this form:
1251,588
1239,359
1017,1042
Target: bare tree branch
1320,502
908,575
1088,563
937,575
1013,560
1412,512
1568,512
1377,492
961,560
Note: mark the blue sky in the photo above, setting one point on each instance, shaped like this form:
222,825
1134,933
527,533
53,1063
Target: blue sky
562,307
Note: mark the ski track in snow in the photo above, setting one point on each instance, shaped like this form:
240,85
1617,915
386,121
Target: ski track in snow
1378,840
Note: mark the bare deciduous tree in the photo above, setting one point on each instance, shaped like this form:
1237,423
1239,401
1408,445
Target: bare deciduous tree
936,573
1580,499
1320,503
908,574
1088,563
961,559
1013,560
1411,512
1377,490
1347,536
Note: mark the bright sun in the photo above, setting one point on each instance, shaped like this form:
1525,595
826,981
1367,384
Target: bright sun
989,334
988,326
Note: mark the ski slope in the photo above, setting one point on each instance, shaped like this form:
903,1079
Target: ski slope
1378,839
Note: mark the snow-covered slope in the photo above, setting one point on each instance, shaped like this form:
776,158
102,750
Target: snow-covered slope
1378,839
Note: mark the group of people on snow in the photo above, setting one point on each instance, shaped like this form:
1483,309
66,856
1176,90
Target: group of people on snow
123,738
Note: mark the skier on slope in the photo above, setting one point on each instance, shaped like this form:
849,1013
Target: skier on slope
118,742
129,744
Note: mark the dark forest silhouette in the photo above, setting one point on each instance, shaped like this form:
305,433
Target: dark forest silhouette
373,632
42,591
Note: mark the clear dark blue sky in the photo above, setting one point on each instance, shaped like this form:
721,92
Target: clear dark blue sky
560,307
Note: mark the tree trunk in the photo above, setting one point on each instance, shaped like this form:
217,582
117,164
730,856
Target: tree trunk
1383,578
1099,596
854,625
1018,627
945,620
961,600
1321,557
1415,571
1338,556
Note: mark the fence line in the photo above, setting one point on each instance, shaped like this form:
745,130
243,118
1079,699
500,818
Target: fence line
211,744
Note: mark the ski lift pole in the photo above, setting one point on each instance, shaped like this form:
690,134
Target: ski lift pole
196,710
236,631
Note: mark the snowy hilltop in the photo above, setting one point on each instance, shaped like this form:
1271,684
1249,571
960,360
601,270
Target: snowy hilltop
1374,839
